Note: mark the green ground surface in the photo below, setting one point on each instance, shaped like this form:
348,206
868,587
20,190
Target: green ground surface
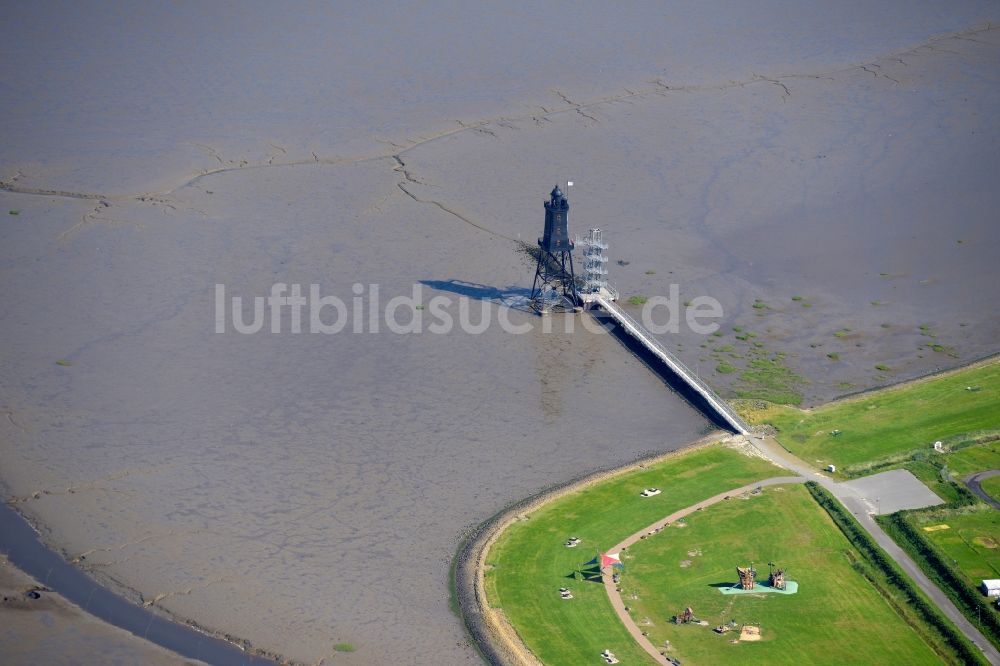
957,547
890,422
977,458
972,540
991,486
835,618
941,472
529,563
932,474
763,373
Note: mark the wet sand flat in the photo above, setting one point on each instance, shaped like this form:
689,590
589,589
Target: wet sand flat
322,480
300,490
854,205
52,631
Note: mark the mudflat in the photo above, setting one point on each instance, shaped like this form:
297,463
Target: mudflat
42,627
826,174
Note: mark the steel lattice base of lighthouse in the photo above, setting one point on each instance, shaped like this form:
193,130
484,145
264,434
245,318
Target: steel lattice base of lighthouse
554,288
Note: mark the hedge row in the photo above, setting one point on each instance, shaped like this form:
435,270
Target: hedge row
966,652
965,596
965,497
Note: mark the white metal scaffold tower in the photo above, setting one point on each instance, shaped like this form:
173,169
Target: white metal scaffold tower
595,268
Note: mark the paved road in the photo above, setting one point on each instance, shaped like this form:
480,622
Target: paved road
862,511
612,589
973,484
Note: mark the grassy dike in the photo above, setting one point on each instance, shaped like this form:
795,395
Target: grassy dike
890,422
897,588
524,562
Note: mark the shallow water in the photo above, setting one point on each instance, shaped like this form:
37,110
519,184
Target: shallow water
299,490
20,544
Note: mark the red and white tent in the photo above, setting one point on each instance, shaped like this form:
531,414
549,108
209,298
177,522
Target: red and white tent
610,560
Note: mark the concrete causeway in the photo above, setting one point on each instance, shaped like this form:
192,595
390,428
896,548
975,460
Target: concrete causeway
719,408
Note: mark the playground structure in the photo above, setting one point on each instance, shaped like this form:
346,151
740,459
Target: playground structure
777,581
748,577
776,577
727,627
687,617
750,632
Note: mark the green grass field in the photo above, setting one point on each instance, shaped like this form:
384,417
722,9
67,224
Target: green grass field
971,542
529,563
837,617
890,422
976,459
957,547
991,486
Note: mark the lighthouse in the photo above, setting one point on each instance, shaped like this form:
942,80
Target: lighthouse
554,287
555,238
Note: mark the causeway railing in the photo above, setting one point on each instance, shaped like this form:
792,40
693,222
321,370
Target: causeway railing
639,332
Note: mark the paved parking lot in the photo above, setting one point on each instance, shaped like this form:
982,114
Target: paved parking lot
891,491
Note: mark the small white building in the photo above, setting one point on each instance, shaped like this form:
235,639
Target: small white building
991,587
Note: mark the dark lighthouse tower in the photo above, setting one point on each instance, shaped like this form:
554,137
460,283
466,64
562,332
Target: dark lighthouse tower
555,283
